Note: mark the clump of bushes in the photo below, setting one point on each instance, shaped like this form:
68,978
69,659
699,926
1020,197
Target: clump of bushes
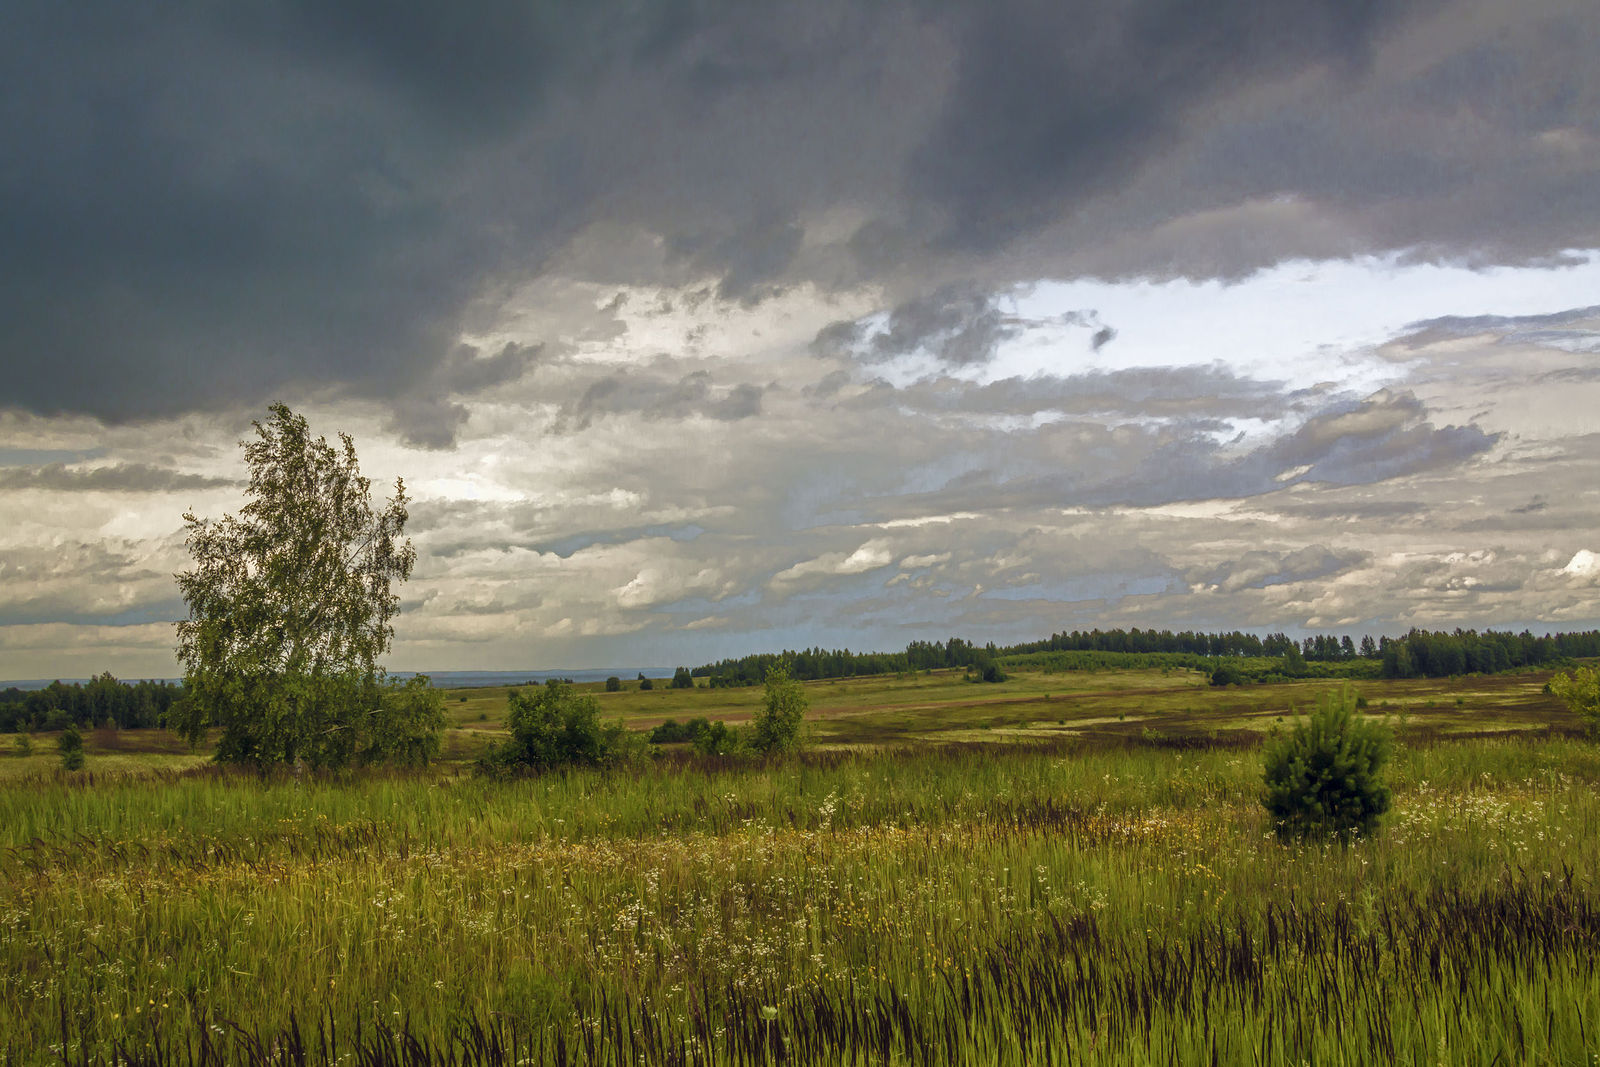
555,726
708,738
1324,778
613,684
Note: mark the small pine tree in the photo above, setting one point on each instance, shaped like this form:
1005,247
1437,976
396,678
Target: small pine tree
70,745
1324,777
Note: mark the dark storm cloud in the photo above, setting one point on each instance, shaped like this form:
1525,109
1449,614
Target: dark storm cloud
958,325
429,415
653,398
1088,464
1382,437
1058,102
120,478
203,204
1199,392
747,260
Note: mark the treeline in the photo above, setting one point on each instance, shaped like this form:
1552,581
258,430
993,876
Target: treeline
1320,648
1420,653
103,701
810,664
1437,654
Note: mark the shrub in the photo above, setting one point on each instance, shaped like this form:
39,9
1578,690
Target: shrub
553,726
672,732
1323,778
1227,674
645,684
613,684
1581,691
776,727
682,679
406,725
715,739
70,745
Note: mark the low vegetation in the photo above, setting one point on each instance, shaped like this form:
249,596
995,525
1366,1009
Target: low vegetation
1057,867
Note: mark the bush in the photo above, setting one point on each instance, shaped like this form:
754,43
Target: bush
613,684
1227,674
716,739
406,725
70,745
553,726
1323,778
776,727
645,684
1581,691
673,732
984,668
682,679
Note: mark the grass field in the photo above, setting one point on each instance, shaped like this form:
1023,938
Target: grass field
1058,868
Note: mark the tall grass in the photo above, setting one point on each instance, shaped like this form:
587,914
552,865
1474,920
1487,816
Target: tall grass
976,905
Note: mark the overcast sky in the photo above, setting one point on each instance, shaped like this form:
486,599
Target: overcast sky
698,329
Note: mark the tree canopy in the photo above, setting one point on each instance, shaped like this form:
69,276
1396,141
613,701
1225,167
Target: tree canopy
290,608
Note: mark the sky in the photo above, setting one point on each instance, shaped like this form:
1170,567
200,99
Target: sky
705,328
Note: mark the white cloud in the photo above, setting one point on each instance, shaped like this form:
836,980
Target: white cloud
1584,564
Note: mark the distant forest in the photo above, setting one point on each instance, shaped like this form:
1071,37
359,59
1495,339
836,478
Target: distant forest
1229,657
1420,653
103,701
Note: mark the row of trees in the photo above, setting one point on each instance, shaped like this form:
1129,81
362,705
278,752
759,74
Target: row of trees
103,701
1418,653
1437,654
812,664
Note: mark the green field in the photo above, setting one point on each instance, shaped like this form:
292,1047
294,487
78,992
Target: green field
1058,868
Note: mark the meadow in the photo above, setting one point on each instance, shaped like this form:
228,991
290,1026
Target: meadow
1069,867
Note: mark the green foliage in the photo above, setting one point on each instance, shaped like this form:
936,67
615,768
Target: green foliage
1324,777
1227,674
709,738
645,684
289,609
70,745
24,745
406,724
717,739
555,726
1581,691
682,679
613,684
776,726
673,732
985,668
